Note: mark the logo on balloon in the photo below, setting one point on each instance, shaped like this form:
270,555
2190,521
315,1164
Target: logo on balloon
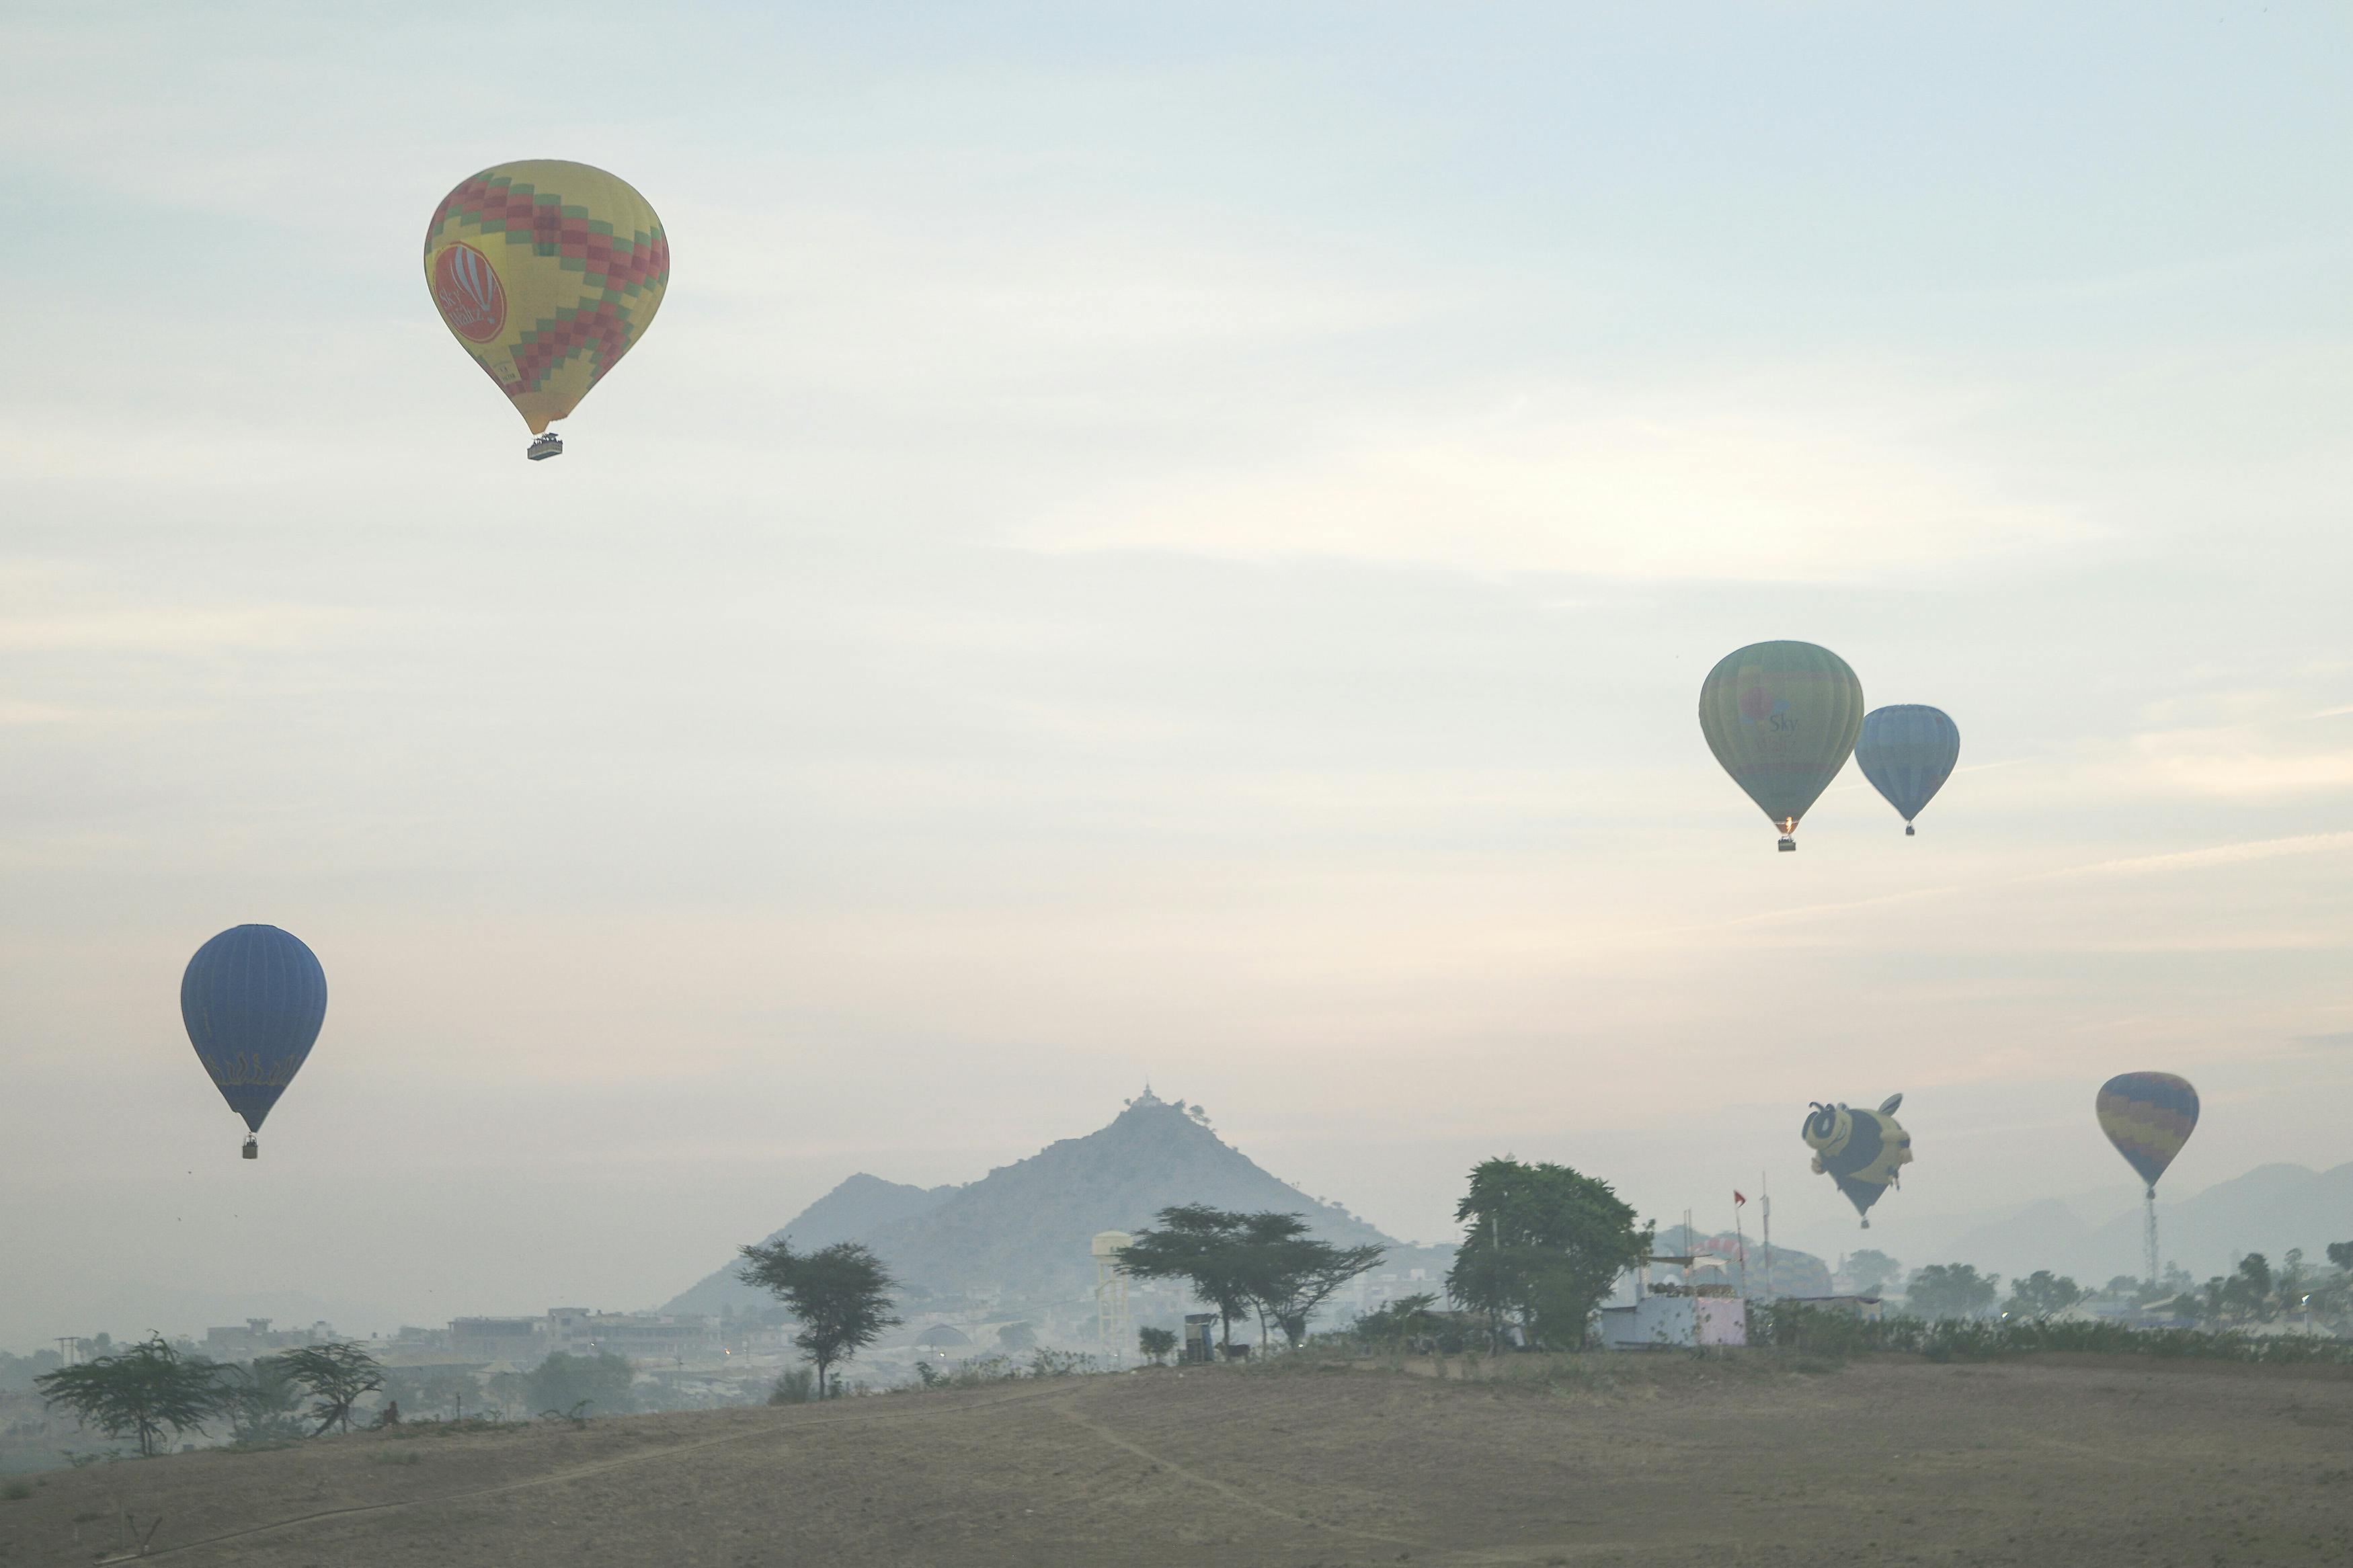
1757,705
472,299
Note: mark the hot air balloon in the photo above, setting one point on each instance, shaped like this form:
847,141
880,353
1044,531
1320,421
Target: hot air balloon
547,272
1861,1151
253,999
1908,752
1781,717
2148,1116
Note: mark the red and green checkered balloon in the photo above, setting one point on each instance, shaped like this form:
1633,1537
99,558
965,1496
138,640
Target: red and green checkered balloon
547,273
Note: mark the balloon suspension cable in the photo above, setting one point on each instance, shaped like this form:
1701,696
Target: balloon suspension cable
2148,1235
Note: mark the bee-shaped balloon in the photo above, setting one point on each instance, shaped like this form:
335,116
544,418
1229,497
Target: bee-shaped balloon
1861,1151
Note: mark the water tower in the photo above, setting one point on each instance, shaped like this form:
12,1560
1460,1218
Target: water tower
1110,1291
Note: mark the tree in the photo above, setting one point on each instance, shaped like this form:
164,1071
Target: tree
1394,1323
1950,1290
1873,1271
841,1294
1155,1343
2044,1295
2340,1254
143,1392
1542,1245
336,1376
261,1402
1290,1274
1207,1248
1016,1337
565,1383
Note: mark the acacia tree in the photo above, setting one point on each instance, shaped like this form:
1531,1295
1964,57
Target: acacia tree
1542,1245
841,1294
1263,1263
1290,1273
336,1376
141,1392
1207,1248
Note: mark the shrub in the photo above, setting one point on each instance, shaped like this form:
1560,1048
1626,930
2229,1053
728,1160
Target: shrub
798,1387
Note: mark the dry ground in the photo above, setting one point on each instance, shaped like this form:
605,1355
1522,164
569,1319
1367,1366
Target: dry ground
2044,1460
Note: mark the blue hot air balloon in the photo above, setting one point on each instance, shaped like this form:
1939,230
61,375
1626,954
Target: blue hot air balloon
1908,752
253,999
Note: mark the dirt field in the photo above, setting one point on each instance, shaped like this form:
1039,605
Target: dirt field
1610,1460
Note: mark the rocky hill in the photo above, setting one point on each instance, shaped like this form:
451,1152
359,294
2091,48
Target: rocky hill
1023,1229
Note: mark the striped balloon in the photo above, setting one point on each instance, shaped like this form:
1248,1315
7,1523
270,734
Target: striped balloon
2148,1116
1908,752
253,999
1781,718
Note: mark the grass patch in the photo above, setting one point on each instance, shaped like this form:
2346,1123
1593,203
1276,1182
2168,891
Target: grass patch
16,1491
405,1457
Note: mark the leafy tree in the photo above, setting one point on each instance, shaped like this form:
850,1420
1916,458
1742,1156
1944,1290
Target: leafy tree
2043,1296
336,1375
2124,1285
262,1399
564,1383
144,1392
2340,1254
1406,1317
840,1294
1018,1337
1950,1290
1157,1344
1542,1245
1873,1271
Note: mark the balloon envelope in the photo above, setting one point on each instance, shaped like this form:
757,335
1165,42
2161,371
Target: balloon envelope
253,999
1781,717
1908,752
547,273
1863,1152
2148,1116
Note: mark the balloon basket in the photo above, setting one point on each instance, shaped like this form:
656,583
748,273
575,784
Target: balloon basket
253,1149
1788,846
1907,830
545,446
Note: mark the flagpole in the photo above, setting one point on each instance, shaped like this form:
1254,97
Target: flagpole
1765,1194
1739,1244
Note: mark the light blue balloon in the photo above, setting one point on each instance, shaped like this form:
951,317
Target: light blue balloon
1908,752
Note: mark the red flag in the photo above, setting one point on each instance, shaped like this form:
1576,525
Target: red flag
1737,1199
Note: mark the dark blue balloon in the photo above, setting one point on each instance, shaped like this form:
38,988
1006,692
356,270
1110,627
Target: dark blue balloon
253,999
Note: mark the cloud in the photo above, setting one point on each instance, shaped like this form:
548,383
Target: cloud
1706,484
2204,859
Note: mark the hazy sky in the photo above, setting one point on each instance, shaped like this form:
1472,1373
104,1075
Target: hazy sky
1175,541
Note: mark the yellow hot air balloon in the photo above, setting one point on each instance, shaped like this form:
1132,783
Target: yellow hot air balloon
1782,718
547,272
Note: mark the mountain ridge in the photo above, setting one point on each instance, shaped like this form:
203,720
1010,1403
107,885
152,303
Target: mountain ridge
1023,1229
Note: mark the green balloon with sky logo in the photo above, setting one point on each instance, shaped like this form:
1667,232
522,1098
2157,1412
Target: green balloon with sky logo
1782,718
